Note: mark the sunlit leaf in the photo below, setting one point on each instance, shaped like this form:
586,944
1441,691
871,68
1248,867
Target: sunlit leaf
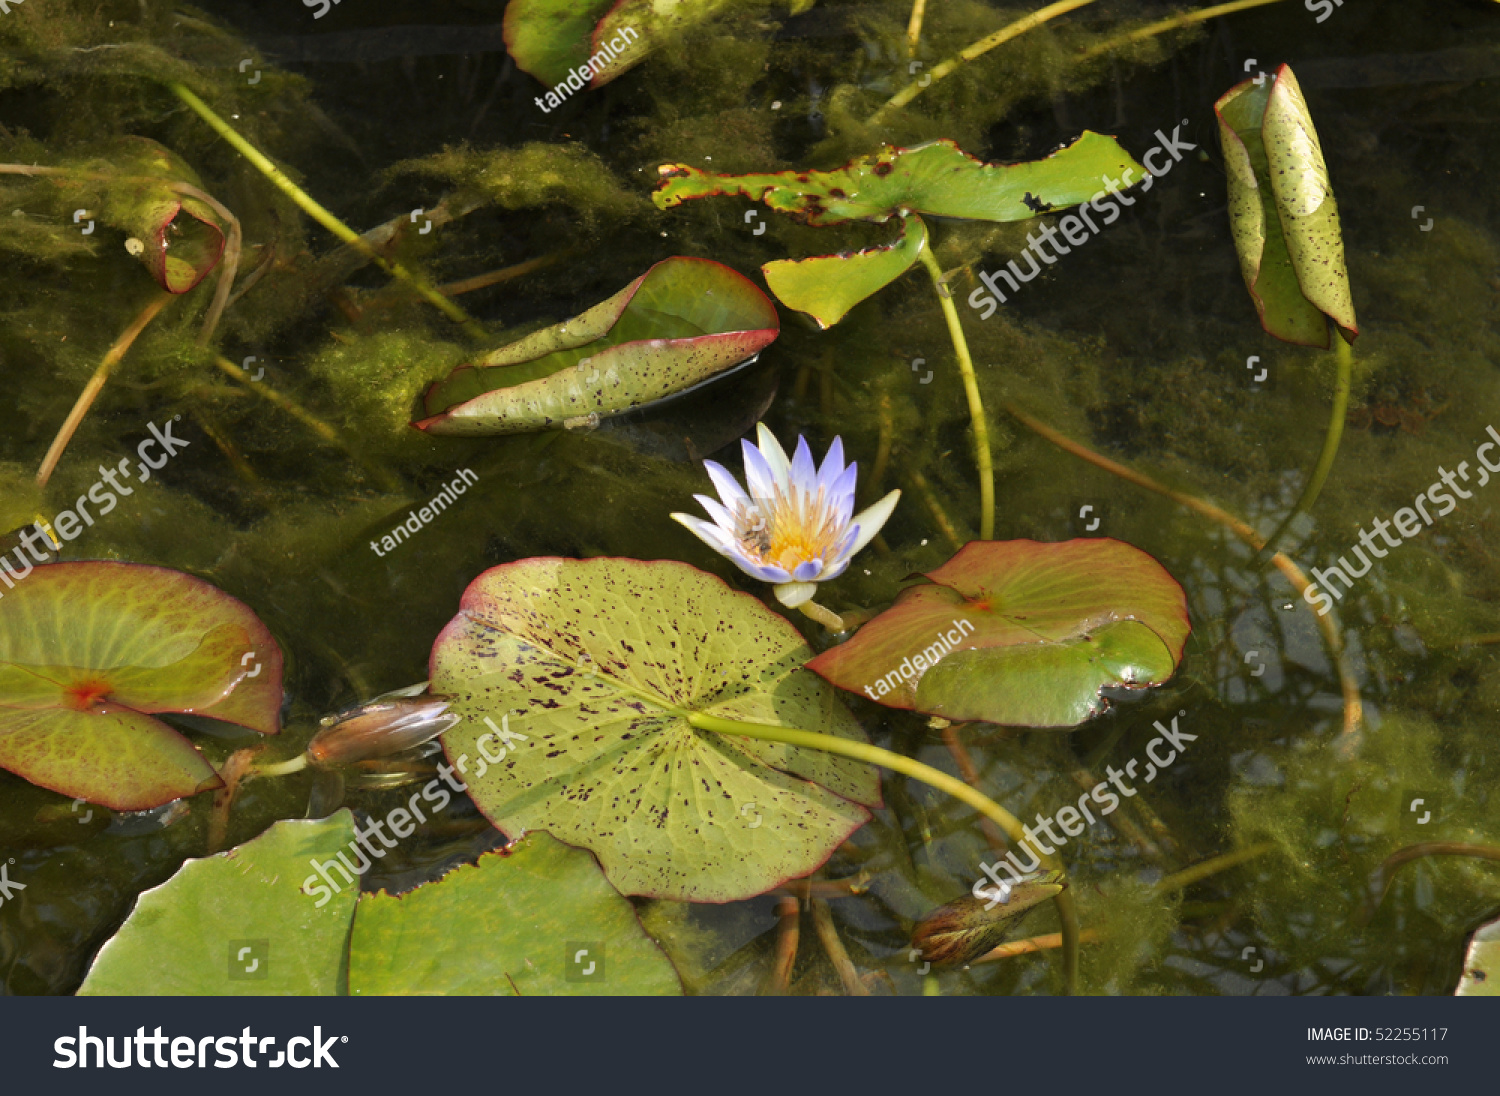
576,679
828,286
1282,211
1020,632
537,918
1481,977
675,327
937,178
237,924
551,38
89,652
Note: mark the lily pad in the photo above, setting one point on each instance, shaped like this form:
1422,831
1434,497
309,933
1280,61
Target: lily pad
577,679
1020,632
535,919
1481,977
550,38
90,652
654,21
236,924
937,178
141,187
679,325
1282,212
828,286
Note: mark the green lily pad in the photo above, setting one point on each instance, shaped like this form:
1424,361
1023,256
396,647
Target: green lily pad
236,924
828,286
576,680
1020,632
654,22
1282,212
677,326
937,178
537,919
550,38
90,652
1481,977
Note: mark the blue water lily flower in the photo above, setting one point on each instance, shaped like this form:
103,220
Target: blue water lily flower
796,526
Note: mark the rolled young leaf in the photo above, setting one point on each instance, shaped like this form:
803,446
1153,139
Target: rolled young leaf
675,327
826,287
1282,212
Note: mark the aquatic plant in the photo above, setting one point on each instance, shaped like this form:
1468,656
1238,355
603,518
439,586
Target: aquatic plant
797,527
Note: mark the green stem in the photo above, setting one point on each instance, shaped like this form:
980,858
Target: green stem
1189,876
282,768
306,203
1330,444
824,616
971,389
874,755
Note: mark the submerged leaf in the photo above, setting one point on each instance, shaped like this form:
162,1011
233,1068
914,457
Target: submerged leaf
1020,632
537,918
576,680
828,286
89,652
1282,212
937,178
675,327
550,38
1481,977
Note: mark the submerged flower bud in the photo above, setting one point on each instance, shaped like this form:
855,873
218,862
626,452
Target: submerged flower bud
963,930
380,728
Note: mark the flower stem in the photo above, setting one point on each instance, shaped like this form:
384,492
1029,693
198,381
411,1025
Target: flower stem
1176,22
1330,443
282,768
971,51
306,203
91,390
874,755
971,389
826,617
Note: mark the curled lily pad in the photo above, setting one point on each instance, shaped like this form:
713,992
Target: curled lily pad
937,178
536,919
550,38
140,187
91,652
828,286
1282,211
1020,632
576,680
679,325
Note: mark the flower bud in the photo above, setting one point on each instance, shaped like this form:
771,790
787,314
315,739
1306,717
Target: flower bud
963,930
380,728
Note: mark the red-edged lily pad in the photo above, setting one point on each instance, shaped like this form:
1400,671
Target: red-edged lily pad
1020,632
90,652
677,326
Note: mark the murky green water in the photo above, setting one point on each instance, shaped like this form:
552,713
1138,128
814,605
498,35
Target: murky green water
1137,345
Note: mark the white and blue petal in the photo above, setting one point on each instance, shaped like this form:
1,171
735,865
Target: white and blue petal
870,519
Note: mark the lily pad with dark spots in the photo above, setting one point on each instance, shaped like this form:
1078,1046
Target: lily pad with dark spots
576,680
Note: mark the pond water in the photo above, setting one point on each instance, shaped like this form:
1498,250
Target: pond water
1298,772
